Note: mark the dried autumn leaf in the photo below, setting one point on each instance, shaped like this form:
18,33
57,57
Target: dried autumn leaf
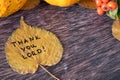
29,47
30,4
8,7
88,4
116,29
61,3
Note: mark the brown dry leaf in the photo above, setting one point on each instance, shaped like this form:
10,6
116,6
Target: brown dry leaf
116,29
30,4
88,4
29,47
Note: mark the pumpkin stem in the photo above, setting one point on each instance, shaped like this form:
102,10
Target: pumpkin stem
49,73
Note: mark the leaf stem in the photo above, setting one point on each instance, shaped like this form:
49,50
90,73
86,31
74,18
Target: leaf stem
49,73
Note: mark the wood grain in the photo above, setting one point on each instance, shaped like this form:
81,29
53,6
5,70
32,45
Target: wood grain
90,50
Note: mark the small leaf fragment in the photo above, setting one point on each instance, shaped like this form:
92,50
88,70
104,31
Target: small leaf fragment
30,4
88,4
116,29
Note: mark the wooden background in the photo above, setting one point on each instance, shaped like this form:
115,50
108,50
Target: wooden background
90,50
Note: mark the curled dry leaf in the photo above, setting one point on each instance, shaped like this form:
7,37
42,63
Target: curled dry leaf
88,4
116,29
30,4
62,3
29,47
8,7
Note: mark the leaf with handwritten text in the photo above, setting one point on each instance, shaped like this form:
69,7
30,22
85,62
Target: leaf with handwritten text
30,46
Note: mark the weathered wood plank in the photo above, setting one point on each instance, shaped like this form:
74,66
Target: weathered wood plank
90,51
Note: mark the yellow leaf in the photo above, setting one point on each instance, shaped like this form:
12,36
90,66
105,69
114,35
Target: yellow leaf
88,4
29,47
30,4
61,3
8,7
116,29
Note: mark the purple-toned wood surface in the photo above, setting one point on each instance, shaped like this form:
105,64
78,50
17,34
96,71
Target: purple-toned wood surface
90,50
